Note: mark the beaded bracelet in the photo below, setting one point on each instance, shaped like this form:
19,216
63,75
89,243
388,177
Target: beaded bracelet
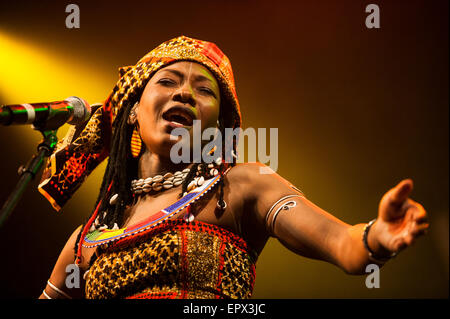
377,259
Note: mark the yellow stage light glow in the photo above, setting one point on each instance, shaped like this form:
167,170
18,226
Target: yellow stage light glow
31,73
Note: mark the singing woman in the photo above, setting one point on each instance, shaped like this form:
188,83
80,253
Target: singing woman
166,229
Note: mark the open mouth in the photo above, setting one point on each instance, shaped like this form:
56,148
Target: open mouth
179,116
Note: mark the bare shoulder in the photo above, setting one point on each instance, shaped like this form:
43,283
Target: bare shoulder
68,252
68,249
67,255
252,189
259,186
73,237
258,179
248,173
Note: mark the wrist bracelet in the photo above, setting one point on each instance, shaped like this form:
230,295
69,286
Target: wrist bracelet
45,294
58,290
372,255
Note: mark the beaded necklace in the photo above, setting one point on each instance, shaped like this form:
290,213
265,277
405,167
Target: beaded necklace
105,236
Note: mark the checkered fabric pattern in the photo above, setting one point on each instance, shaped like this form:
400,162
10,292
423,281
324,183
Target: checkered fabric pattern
178,260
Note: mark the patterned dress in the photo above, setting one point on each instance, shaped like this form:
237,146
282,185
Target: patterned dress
176,259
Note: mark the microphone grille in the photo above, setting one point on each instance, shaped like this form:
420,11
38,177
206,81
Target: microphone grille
81,110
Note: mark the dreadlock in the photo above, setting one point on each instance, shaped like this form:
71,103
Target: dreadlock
121,167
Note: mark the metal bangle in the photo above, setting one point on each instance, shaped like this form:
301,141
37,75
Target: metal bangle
45,294
58,290
372,255
278,210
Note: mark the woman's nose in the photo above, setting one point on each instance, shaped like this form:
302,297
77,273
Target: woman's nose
185,95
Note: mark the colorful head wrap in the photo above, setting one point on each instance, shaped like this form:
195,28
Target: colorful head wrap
86,146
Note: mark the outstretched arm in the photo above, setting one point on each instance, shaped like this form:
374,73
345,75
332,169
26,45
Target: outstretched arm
308,230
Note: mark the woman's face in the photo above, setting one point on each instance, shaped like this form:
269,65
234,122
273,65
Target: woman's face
174,97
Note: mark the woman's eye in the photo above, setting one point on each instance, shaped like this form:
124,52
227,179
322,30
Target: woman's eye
207,90
166,82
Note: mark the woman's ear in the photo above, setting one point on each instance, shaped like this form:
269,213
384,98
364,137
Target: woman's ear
132,117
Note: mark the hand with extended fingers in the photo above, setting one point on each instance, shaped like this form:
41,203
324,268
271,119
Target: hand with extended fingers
400,221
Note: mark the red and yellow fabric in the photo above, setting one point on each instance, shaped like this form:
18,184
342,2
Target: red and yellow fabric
178,260
86,146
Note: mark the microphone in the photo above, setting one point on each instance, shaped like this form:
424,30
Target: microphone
50,115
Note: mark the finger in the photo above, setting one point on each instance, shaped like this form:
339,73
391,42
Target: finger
410,236
401,192
420,216
420,230
417,213
409,240
400,244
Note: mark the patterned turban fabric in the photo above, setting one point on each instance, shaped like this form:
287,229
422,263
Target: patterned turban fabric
87,145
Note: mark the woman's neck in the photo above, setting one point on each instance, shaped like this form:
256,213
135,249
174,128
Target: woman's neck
151,164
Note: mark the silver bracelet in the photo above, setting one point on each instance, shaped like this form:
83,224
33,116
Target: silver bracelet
45,294
285,206
58,290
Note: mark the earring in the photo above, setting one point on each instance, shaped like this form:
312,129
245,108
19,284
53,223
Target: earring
212,150
133,115
136,143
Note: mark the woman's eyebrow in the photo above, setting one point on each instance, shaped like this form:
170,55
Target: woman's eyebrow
175,72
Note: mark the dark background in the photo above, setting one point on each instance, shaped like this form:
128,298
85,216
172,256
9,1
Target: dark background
357,110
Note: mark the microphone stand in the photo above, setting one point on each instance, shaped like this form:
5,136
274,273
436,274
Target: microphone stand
29,171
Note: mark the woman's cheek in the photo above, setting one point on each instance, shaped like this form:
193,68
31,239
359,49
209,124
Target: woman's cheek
144,119
151,106
210,117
